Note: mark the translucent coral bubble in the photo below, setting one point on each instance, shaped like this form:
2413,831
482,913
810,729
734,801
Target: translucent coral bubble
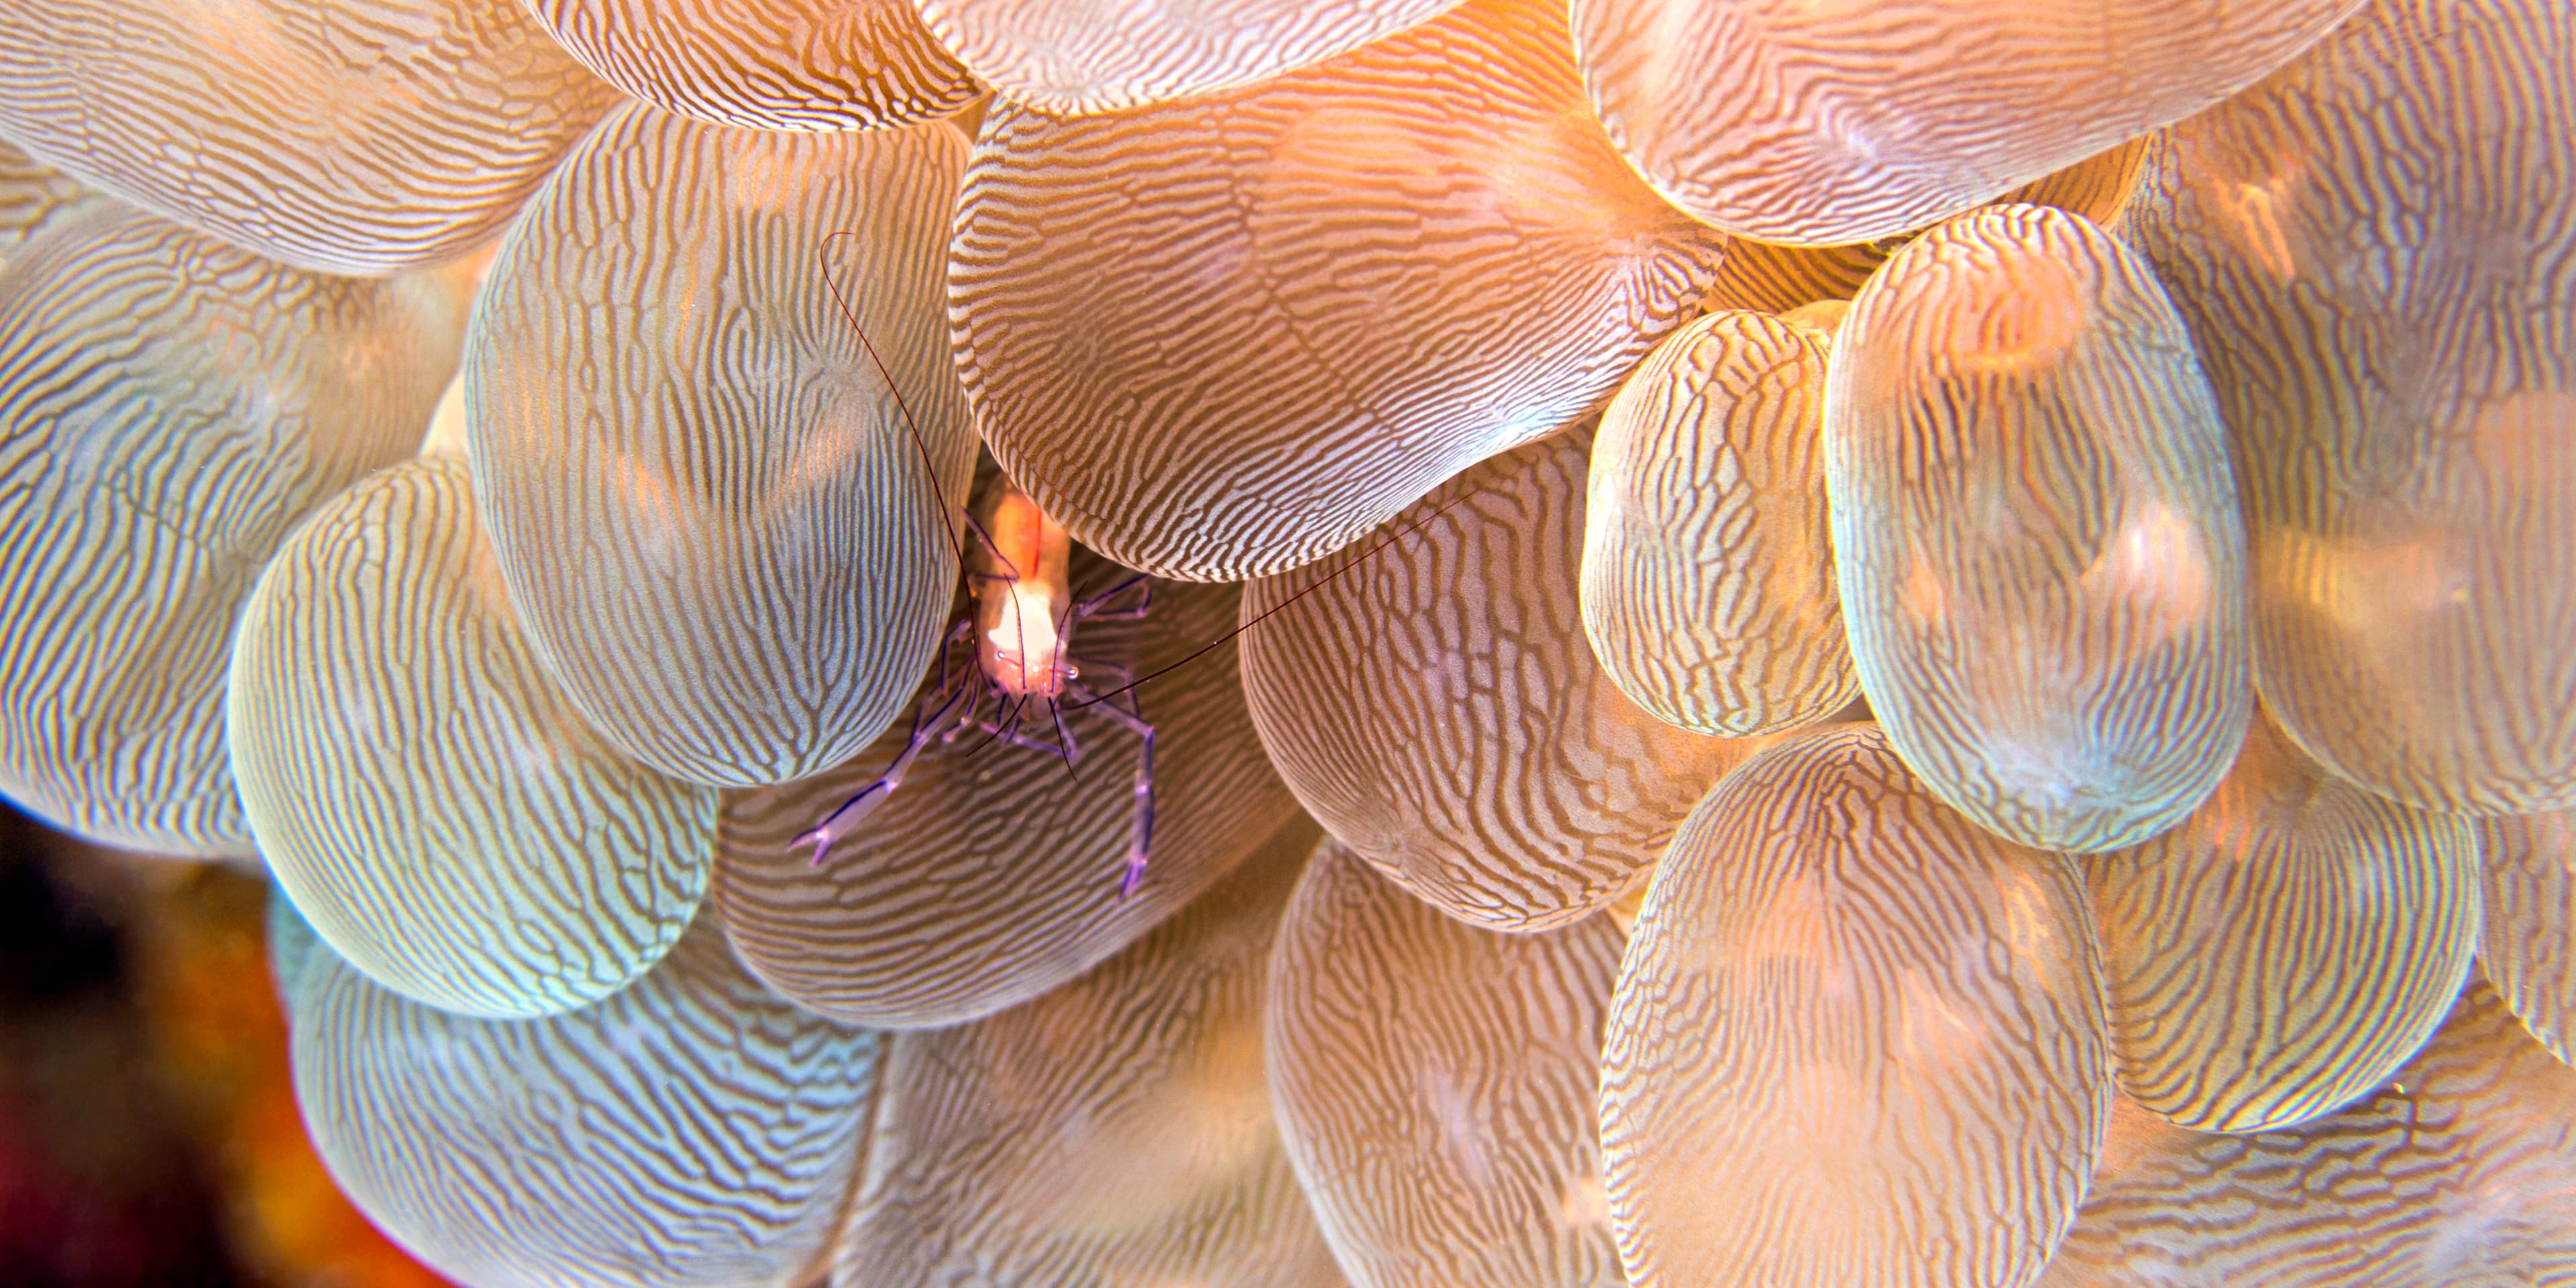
1820,124
1223,338
992,874
1072,57
32,195
2374,252
712,515
364,137
1431,699
1437,1086
1856,1039
434,807
1116,1131
169,408
2459,1171
292,946
1771,278
2286,948
2035,529
691,1131
767,64
2529,949
1708,573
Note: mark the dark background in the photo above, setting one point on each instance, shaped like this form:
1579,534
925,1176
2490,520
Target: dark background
148,1128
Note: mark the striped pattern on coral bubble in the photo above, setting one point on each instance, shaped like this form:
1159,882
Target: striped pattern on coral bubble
1437,1086
1856,1038
713,519
363,137
1222,338
1116,1131
1708,573
169,408
1438,710
2457,1172
1819,125
692,1131
1079,57
2036,533
767,64
2529,948
32,195
992,875
435,808
1775,279
2385,297
2286,948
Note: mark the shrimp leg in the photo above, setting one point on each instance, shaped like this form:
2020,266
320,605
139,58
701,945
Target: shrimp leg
928,723
1140,842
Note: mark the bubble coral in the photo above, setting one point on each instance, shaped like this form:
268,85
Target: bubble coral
2385,301
766,64
364,137
1080,57
170,406
691,1131
2456,1171
715,523
32,195
1855,1039
1221,338
2529,879
2285,949
1708,574
991,877
434,807
1433,703
1115,1131
1437,1086
2035,531
1822,124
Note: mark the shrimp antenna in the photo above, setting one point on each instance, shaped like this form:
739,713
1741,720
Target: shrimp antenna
841,301
1267,613
1055,712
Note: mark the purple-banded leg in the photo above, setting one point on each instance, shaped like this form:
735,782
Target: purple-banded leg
1097,608
1140,841
928,722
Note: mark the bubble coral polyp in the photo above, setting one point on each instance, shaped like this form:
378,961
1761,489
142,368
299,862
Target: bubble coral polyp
2113,378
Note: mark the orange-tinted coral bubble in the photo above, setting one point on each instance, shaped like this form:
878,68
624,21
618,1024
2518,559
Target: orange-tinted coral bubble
1771,278
2374,252
1856,1039
1437,708
1708,574
2286,948
767,64
1438,1085
362,137
1115,1131
991,875
32,195
1221,338
1072,57
170,406
713,517
2530,945
1820,124
419,787
2036,533
2459,1171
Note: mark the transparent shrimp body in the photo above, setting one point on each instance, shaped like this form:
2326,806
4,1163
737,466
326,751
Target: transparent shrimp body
1022,629
1022,602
